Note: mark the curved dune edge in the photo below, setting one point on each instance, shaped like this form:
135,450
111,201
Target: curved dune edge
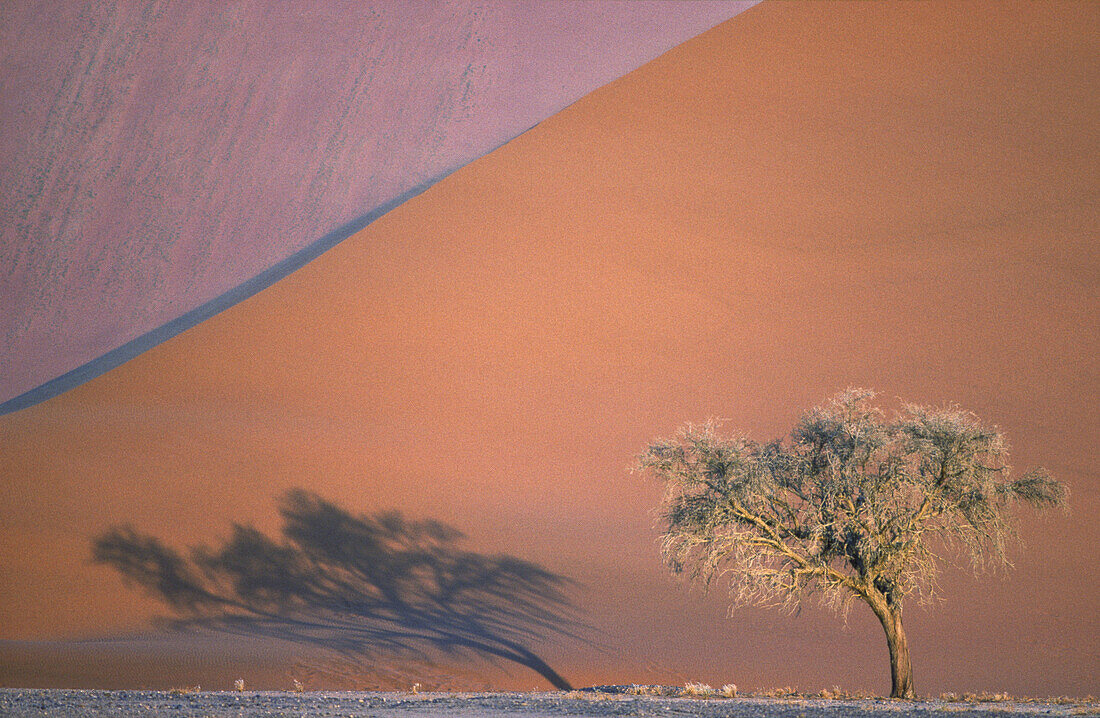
161,156
761,217
133,348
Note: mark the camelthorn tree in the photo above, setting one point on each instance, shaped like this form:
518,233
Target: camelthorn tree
853,505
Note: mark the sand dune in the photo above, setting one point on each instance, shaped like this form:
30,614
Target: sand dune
154,156
807,197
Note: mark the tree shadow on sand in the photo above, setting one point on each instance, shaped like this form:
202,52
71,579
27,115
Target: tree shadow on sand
360,587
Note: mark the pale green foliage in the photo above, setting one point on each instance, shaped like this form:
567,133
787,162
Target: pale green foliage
852,505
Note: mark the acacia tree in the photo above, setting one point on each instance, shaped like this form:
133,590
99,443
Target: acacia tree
852,507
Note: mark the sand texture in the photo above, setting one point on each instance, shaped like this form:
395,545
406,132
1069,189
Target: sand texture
808,197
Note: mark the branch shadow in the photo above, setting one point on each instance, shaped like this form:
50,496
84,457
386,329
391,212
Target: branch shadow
360,587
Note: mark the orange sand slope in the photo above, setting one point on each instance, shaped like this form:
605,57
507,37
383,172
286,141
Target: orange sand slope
807,197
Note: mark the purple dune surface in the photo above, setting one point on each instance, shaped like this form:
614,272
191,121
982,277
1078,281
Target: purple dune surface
155,154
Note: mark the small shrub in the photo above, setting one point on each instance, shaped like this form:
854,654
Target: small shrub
837,693
785,692
957,698
697,690
298,687
640,690
185,690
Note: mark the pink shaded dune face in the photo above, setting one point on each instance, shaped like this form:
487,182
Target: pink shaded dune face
155,155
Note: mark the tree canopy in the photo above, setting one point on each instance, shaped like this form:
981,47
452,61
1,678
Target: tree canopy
852,506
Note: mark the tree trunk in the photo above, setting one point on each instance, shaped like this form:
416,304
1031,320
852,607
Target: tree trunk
901,670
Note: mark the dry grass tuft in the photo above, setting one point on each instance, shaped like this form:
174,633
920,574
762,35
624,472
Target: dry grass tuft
982,697
697,690
785,692
238,685
650,690
185,690
839,694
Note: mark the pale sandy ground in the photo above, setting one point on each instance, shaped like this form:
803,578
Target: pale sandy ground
82,703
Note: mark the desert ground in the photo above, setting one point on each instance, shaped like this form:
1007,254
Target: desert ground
609,701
